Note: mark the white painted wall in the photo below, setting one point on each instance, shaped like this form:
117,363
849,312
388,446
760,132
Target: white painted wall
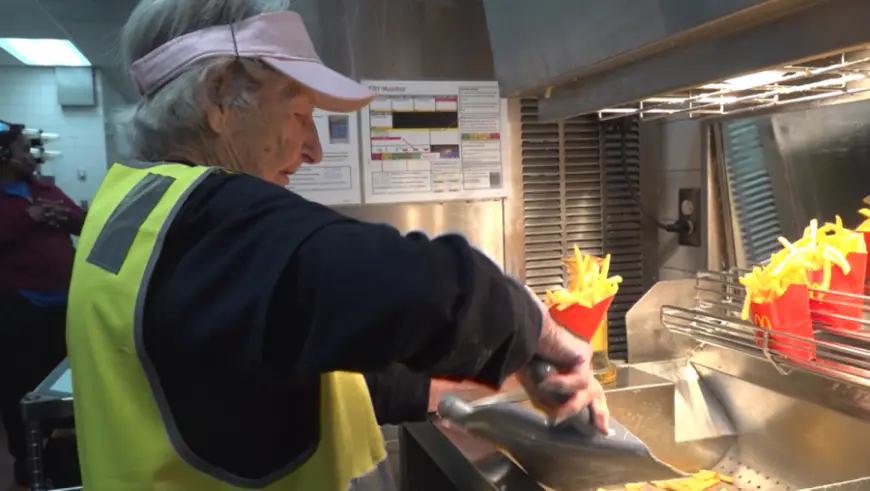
117,146
28,95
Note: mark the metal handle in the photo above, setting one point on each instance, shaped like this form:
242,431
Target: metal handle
537,371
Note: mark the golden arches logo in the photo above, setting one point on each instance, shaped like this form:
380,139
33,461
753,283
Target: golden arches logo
762,321
814,294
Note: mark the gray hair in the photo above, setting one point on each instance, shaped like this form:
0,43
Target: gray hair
174,116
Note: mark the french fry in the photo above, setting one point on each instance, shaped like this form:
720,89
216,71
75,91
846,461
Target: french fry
588,282
865,225
823,247
841,238
764,284
705,475
820,248
699,481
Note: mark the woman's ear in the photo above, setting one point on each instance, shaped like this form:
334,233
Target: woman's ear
217,93
216,116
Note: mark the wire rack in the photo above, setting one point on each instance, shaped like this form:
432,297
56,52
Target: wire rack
715,320
826,77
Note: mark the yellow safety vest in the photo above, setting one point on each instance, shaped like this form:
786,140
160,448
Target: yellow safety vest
126,438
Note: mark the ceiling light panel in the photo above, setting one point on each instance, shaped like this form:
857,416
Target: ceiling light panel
44,52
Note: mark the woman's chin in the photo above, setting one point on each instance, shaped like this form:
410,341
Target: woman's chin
287,173
281,179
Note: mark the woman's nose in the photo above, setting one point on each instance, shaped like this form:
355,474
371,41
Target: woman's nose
312,153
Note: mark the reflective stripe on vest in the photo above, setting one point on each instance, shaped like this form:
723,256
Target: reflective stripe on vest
127,438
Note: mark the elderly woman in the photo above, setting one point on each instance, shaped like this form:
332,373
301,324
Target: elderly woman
219,323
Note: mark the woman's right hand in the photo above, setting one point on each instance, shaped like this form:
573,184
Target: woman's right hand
39,213
573,356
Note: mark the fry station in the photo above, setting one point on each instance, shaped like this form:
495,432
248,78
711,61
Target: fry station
685,183
726,132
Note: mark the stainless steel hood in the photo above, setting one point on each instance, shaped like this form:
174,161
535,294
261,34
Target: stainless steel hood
586,55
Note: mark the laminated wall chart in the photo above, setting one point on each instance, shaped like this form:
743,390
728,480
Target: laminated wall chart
335,180
433,141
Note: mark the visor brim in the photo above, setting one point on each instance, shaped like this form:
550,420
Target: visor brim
335,92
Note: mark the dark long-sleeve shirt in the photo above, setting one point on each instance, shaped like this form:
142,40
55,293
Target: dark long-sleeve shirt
399,395
258,291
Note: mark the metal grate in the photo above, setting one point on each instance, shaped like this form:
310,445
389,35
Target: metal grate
622,226
569,198
583,194
832,352
829,77
542,170
561,193
751,190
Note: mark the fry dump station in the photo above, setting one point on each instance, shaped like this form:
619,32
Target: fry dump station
705,395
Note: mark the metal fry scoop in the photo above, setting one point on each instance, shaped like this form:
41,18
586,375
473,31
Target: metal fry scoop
571,455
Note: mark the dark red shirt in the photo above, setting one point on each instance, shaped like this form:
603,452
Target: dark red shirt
34,255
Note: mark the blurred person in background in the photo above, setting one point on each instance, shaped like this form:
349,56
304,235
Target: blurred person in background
36,254
219,324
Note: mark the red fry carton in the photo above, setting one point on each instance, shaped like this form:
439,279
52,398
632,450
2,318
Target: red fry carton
825,303
580,320
790,314
867,242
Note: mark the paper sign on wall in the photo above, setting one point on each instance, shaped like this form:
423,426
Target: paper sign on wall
433,141
335,180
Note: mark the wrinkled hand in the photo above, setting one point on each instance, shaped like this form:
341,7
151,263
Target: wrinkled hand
598,405
574,358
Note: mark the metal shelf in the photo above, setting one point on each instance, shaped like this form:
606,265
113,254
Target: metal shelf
715,320
831,76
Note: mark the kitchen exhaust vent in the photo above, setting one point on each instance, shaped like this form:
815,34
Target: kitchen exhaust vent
582,56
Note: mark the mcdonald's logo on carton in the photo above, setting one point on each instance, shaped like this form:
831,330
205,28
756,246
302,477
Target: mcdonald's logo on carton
814,292
762,321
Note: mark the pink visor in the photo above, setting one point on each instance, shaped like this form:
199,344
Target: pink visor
278,39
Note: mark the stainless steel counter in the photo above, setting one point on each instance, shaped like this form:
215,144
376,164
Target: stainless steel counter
780,442
469,463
